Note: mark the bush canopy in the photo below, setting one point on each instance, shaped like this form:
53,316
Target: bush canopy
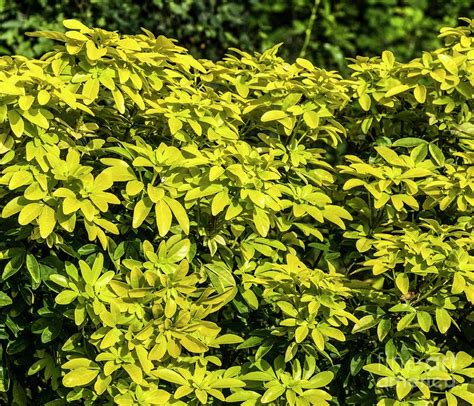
177,231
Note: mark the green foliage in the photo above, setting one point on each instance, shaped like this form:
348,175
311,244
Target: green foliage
179,231
324,31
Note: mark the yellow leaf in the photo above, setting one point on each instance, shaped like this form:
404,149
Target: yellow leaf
179,213
193,344
261,222
390,156
135,372
420,93
71,205
215,172
443,320
135,96
16,123
175,125
119,100
12,207
75,25
46,221
36,117
65,297
459,284
273,115
365,102
133,187
102,383
90,90
403,388
304,63
11,89
396,90
88,209
163,217
77,36
20,178
94,53
424,320
79,377
29,213
318,339
219,202
448,63
388,58
141,211
311,118
402,282
25,102
43,97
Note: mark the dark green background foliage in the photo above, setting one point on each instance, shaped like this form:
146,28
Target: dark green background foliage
208,27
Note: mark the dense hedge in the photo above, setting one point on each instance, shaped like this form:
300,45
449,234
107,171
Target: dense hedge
337,29
178,231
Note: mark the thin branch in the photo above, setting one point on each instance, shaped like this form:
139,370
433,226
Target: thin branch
309,28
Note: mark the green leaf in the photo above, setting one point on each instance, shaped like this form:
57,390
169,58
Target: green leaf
12,266
436,154
383,328
34,270
378,369
408,142
5,300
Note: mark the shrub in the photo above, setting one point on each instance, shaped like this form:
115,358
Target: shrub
179,231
